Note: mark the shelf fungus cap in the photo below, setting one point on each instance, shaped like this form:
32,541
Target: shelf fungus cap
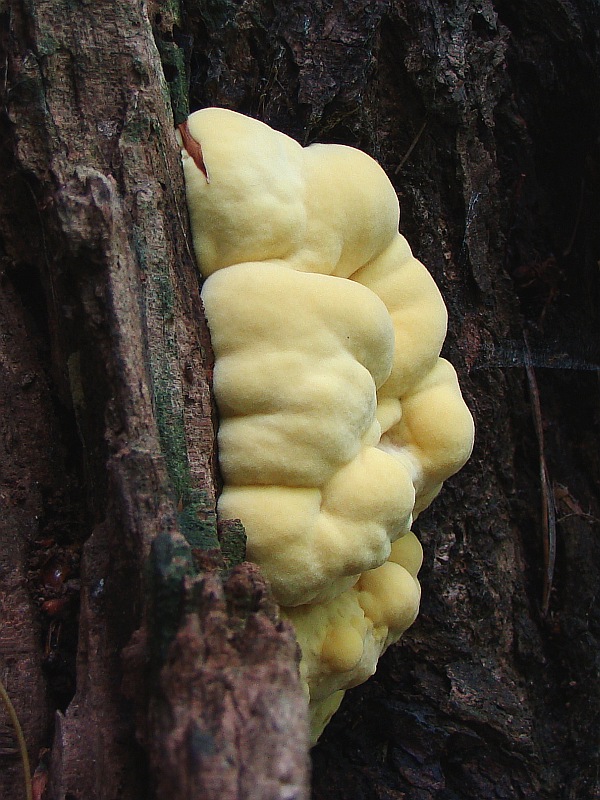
339,421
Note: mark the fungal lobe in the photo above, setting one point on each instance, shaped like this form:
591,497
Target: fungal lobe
338,418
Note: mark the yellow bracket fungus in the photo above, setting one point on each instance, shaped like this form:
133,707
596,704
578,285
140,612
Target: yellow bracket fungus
339,421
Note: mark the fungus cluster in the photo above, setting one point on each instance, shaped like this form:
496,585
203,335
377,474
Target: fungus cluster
339,421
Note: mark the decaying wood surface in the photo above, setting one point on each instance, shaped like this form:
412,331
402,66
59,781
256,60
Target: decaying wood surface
178,679
186,684
26,469
486,116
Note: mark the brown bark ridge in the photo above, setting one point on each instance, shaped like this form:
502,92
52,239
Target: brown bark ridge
27,473
179,680
486,116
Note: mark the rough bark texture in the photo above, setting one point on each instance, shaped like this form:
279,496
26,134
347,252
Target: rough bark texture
109,476
485,114
27,468
486,117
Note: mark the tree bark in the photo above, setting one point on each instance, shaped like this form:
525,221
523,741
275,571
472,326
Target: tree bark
178,679
485,115
185,682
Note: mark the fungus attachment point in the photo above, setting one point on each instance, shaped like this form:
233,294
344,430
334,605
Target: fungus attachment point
339,421
193,148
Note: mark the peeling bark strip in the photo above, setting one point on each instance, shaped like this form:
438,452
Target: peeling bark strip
101,219
223,682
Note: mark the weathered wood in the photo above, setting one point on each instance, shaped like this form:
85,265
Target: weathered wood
101,219
486,116
27,475
231,688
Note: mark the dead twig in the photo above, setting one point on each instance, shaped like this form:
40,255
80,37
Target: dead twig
413,144
548,509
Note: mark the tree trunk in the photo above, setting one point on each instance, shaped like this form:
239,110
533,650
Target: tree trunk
178,679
